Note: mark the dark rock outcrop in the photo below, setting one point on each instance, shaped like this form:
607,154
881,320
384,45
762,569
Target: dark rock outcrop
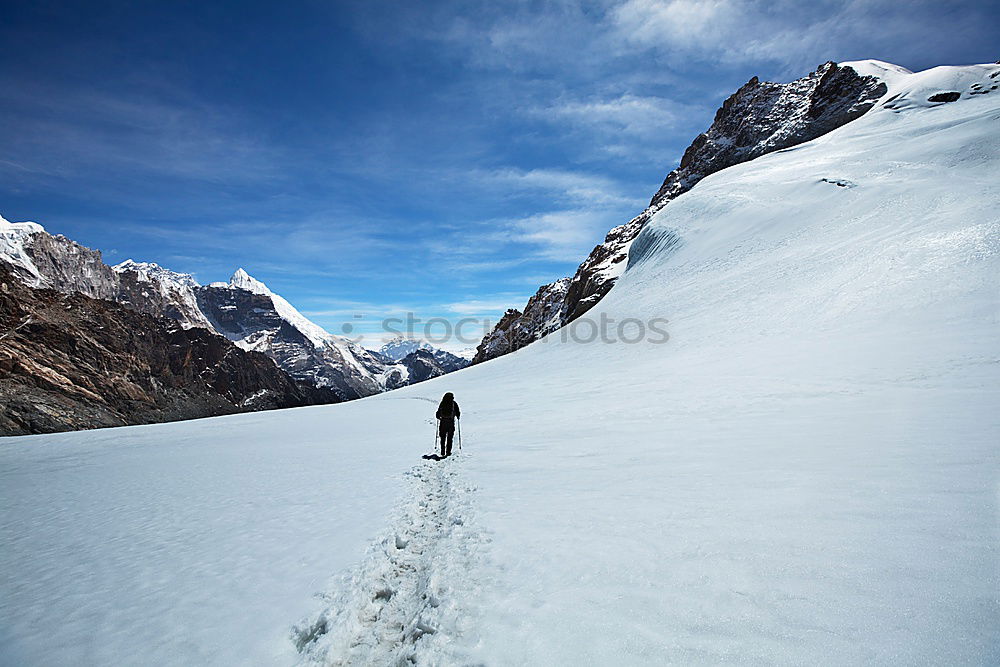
422,365
759,118
151,289
542,315
950,96
69,361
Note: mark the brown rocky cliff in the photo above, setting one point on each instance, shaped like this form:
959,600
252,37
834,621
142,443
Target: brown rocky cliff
68,361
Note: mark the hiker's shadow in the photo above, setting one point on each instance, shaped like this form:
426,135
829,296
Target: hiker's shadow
433,457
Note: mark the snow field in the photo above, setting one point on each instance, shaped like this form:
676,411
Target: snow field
806,473
415,591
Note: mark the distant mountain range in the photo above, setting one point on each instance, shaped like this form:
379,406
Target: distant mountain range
244,311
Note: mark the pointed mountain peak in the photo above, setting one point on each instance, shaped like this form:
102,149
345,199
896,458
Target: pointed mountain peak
399,347
243,280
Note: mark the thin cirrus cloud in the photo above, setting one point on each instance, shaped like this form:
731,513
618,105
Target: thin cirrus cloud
624,125
571,211
796,35
562,236
67,131
632,114
561,185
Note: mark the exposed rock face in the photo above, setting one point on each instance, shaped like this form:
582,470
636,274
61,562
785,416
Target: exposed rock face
149,288
542,315
762,117
422,365
243,310
58,263
759,118
68,361
446,361
253,321
40,259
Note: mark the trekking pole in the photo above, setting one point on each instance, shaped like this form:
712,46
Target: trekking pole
459,420
437,428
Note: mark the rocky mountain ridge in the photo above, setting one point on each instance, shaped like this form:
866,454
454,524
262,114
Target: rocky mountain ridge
243,310
759,118
69,361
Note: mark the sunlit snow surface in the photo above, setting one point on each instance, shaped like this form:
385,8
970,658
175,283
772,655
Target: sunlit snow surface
807,472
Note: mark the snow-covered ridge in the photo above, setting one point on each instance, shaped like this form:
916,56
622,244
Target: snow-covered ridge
888,73
151,272
759,118
940,85
8,228
399,347
243,280
13,236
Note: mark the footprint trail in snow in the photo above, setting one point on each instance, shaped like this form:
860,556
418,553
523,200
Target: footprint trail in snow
410,600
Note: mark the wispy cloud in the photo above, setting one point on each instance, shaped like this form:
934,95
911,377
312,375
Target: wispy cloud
562,186
624,124
496,304
627,113
67,131
562,236
789,33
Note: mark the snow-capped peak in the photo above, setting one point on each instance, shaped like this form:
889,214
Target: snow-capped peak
315,333
399,347
243,280
7,227
13,236
937,86
152,272
879,69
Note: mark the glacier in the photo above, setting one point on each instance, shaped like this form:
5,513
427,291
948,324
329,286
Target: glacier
805,472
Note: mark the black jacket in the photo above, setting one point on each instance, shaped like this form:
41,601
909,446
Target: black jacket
442,411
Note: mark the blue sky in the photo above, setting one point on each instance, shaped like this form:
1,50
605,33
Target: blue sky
373,158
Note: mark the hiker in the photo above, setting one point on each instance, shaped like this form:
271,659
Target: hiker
447,413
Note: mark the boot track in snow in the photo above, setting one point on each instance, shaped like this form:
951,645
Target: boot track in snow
409,601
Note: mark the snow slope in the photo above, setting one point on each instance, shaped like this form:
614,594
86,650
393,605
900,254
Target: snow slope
806,472
13,236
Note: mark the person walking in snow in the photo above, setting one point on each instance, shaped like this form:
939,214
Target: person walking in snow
447,413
